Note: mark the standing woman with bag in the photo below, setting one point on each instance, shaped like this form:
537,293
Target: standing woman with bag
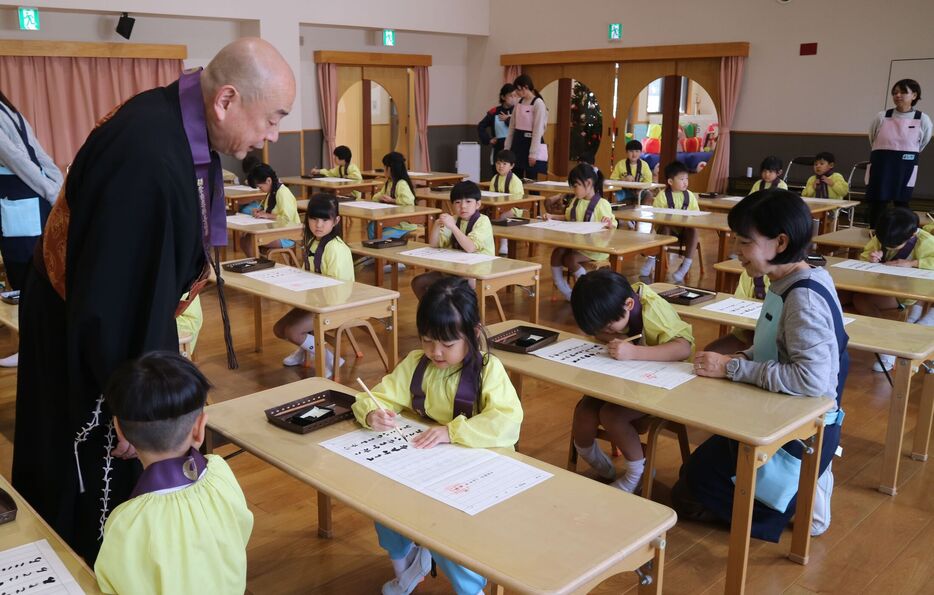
29,185
526,129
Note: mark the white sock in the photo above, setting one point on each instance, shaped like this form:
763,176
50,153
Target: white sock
597,459
927,319
630,480
404,562
309,343
580,272
504,246
647,267
557,275
685,266
914,313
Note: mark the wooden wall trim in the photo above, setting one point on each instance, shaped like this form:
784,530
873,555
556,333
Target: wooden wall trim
83,49
371,58
633,54
788,133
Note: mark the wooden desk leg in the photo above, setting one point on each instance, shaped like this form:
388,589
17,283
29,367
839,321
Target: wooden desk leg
481,299
616,263
898,410
658,569
394,335
741,523
325,529
257,324
512,248
535,288
723,246
661,264
919,451
497,589
320,347
394,277
804,509
255,239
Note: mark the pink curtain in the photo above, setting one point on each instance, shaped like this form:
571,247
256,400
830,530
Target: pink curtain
422,93
731,79
63,98
510,73
327,97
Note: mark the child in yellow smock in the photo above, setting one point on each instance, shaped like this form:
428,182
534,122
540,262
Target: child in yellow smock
825,183
770,175
632,169
506,182
343,169
279,206
676,196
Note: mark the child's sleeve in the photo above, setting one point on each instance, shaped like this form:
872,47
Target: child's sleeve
661,324
660,202
353,173
605,210
873,245
330,173
500,417
482,236
744,289
924,253
338,262
646,176
839,188
809,191
782,185
286,206
392,392
692,202
515,187
618,169
379,194
404,196
755,187
444,237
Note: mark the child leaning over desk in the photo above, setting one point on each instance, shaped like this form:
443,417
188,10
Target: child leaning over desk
458,386
606,306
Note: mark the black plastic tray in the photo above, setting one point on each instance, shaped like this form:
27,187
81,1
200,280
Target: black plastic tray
507,340
687,296
340,402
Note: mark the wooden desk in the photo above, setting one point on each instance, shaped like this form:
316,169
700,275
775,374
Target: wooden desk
391,215
851,239
498,204
262,233
29,527
611,185
435,178
490,276
9,316
615,242
911,344
365,186
608,186
237,196
332,307
515,544
819,207
908,288
726,408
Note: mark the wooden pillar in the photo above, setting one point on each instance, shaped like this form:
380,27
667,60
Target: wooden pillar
671,102
558,160
367,120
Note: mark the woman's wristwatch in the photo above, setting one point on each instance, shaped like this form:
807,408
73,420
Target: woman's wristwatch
732,367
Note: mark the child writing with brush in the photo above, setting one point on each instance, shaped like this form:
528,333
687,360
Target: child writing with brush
451,381
637,324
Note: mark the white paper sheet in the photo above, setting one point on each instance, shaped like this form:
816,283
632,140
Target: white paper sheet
468,479
241,219
594,357
367,204
35,568
240,187
292,278
885,269
555,183
746,309
327,179
419,173
488,194
666,211
814,201
445,255
578,227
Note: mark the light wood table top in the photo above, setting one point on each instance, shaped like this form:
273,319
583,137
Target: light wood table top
264,227
9,315
29,527
498,204
392,213
239,195
909,288
716,221
512,543
613,185
615,242
434,178
850,238
759,420
329,186
816,205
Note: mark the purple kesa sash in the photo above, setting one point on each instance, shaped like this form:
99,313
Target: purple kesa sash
470,223
670,198
638,170
465,397
904,252
821,188
591,206
758,287
171,473
635,317
319,251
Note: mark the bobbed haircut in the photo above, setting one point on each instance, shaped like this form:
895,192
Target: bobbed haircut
771,213
634,145
896,226
465,189
599,298
771,163
506,156
675,168
908,86
343,152
583,172
825,156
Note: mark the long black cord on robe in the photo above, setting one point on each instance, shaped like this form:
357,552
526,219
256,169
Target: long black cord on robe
228,337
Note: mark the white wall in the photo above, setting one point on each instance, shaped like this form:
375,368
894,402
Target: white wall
838,90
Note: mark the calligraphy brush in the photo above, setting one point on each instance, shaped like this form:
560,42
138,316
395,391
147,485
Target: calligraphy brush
381,408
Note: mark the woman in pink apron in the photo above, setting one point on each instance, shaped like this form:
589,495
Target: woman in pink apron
526,128
898,136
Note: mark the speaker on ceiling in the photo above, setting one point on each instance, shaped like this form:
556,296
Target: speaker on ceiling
125,25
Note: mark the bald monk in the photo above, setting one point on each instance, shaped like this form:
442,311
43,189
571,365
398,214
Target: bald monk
142,204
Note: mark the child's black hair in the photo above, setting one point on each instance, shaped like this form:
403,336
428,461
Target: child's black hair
343,153
394,162
908,86
634,145
896,226
156,398
465,189
773,212
583,172
506,156
771,163
825,156
248,163
599,298
447,312
675,168
259,174
321,205
587,157
506,90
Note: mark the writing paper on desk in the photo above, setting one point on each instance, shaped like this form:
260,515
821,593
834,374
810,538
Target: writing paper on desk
366,204
594,357
468,479
241,188
746,309
292,278
885,269
35,568
578,227
488,194
444,255
241,219
555,183
665,211
327,179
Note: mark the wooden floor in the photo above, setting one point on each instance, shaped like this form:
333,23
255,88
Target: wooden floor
876,544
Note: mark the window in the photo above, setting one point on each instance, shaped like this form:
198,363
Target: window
653,96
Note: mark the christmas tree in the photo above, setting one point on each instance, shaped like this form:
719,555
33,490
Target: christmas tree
586,121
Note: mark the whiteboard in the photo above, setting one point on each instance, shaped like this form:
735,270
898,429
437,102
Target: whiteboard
920,69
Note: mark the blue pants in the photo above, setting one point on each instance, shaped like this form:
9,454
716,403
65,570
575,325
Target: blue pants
465,582
389,233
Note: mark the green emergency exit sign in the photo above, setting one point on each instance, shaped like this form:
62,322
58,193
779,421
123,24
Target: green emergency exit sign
28,18
615,31
389,37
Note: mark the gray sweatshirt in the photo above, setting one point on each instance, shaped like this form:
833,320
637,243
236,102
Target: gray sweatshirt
808,358
13,155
